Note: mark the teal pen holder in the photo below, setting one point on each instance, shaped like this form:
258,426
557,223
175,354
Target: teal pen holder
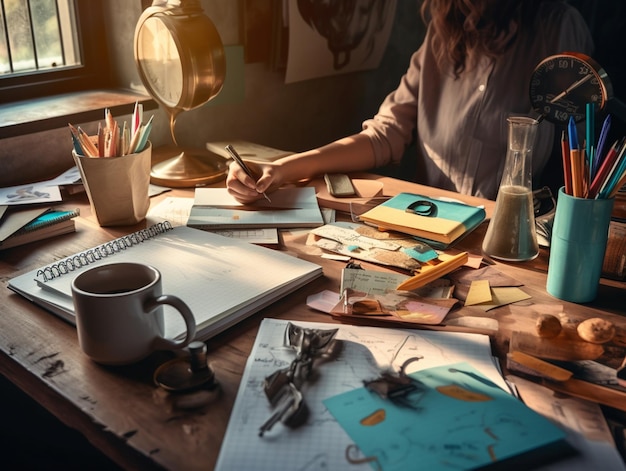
577,247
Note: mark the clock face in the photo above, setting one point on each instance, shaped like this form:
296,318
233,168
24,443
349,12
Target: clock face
160,62
563,84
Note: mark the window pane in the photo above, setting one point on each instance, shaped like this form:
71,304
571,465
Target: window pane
47,35
20,35
69,35
5,64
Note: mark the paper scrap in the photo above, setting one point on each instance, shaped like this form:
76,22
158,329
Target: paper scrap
370,281
495,277
503,296
173,209
479,292
352,238
324,301
396,306
374,255
30,194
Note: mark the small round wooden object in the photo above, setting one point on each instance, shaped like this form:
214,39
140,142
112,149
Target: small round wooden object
596,330
548,326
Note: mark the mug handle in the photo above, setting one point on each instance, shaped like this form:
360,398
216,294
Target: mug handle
183,309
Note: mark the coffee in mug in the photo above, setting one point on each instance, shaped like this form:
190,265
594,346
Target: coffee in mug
119,313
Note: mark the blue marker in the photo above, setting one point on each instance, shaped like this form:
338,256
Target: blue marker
573,134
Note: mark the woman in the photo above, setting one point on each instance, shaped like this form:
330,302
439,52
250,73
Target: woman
471,72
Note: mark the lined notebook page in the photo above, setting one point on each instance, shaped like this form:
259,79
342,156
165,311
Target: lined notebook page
320,444
221,279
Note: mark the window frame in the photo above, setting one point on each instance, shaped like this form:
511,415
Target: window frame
93,73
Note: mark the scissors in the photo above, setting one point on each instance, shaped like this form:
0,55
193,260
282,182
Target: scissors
422,208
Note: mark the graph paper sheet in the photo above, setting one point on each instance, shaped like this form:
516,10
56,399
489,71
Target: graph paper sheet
320,443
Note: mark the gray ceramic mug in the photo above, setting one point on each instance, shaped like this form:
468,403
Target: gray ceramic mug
119,313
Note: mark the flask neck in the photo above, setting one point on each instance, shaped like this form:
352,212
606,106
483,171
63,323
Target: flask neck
522,131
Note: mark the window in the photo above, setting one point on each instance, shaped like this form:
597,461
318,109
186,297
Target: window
38,35
50,47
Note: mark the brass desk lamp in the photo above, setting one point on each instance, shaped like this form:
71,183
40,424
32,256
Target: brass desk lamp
181,62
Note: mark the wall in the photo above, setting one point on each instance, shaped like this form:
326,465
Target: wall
293,117
301,115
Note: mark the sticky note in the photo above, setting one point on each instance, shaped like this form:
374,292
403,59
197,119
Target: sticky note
503,296
479,292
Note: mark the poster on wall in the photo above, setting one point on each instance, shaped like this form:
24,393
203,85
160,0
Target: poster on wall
336,37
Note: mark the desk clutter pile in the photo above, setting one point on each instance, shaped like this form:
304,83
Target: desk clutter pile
294,400
406,376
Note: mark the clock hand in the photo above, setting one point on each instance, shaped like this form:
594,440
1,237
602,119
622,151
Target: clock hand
571,87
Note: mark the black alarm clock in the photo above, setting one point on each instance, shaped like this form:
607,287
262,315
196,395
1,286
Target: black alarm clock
561,86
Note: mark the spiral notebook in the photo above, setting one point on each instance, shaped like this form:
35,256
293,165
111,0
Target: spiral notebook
218,277
49,224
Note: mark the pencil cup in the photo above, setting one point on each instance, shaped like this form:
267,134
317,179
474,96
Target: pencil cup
117,187
577,247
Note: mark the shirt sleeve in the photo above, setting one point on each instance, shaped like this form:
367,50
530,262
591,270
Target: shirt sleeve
391,129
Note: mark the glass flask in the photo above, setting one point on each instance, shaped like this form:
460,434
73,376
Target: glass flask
511,234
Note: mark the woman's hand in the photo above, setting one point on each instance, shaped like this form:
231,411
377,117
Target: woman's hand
244,188
349,154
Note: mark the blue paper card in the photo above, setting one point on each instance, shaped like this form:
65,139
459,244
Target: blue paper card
461,420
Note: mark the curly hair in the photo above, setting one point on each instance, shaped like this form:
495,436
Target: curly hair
464,29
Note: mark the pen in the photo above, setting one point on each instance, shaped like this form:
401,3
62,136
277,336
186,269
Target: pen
233,153
76,141
614,175
100,140
574,154
606,125
590,126
137,118
567,164
124,139
609,161
143,135
85,141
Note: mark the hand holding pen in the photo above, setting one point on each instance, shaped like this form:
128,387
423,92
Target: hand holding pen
235,156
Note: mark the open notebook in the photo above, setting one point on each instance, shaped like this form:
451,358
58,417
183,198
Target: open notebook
223,280
216,209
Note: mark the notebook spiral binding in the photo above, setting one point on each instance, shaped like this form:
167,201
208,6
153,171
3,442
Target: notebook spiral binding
100,252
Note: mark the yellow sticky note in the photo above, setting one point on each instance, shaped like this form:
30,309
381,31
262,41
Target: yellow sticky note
503,296
479,292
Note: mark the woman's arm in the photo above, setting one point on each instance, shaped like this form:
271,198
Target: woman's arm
348,154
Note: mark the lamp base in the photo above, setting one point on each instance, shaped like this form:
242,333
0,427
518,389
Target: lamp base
184,167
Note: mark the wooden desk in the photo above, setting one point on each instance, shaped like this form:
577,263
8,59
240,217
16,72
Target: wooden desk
120,410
